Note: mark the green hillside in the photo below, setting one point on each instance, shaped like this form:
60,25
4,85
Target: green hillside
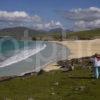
55,85
19,32
54,34
89,34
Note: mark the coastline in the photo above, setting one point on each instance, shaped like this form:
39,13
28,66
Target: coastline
82,48
49,61
78,49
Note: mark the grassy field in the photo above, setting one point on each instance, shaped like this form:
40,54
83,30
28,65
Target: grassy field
55,85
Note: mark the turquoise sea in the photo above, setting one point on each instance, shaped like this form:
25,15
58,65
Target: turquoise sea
20,57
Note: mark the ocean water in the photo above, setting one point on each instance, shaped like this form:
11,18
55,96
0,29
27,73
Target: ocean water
20,57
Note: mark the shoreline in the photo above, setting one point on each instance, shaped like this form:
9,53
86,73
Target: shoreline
78,49
73,46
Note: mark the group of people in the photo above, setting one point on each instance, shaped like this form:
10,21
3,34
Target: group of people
96,65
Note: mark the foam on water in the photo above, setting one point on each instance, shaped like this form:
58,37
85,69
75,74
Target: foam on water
22,55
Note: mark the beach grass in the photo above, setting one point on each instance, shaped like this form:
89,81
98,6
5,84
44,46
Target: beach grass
54,85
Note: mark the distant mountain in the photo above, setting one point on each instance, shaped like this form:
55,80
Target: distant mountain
19,32
56,30
68,31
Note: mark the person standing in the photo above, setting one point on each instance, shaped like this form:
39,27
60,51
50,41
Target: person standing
96,64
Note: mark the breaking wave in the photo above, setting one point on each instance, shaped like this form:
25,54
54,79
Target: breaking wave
22,55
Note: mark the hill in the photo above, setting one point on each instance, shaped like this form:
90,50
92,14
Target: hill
18,32
83,35
53,34
55,85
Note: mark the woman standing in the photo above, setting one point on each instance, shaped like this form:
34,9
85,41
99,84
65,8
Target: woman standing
96,65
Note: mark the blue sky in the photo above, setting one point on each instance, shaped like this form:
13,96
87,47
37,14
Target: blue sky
47,10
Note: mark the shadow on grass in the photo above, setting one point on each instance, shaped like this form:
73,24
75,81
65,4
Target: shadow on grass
82,78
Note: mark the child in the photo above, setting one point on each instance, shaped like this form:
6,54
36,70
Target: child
96,65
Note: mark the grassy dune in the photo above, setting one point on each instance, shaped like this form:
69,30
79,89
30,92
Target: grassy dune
55,85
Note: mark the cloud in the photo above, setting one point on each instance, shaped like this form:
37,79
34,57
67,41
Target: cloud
89,14
84,18
82,25
49,25
21,18
18,16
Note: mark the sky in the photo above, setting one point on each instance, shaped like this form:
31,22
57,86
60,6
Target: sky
48,14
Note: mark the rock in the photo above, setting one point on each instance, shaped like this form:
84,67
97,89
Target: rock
6,78
52,93
68,65
79,88
56,83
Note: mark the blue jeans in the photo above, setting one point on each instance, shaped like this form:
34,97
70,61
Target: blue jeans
97,72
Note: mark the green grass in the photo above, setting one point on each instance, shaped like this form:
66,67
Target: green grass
89,34
55,85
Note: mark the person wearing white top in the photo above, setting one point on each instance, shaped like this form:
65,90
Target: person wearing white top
96,64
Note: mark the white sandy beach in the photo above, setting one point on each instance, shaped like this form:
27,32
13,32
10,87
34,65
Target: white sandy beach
78,48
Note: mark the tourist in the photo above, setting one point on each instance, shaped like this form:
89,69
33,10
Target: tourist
96,65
